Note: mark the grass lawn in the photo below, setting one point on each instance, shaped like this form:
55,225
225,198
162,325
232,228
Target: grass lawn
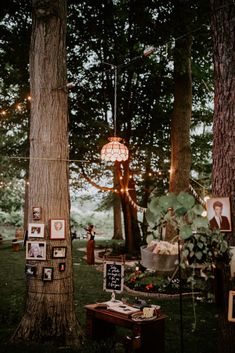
89,289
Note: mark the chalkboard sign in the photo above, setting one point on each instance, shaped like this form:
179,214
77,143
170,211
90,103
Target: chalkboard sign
113,276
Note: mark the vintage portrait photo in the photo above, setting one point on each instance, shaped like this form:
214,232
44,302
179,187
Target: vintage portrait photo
37,213
36,250
57,229
59,252
47,274
61,266
219,214
30,270
36,230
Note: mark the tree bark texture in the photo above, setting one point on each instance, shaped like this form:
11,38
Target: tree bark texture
117,218
182,108
223,29
223,173
49,313
131,225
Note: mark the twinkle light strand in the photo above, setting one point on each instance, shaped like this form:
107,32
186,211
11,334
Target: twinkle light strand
197,197
133,203
17,107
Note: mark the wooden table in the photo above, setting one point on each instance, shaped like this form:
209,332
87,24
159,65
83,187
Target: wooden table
148,336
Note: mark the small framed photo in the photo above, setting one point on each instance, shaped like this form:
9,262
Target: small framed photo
59,252
37,213
219,213
36,230
57,229
231,306
30,270
61,266
35,250
47,274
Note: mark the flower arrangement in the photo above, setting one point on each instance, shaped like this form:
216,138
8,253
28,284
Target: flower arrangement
163,247
141,280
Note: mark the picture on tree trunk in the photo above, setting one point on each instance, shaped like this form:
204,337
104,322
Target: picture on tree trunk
37,213
30,270
59,252
36,250
36,230
47,274
219,214
61,266
57,229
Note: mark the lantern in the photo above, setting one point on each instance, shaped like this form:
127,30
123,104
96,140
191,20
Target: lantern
114,150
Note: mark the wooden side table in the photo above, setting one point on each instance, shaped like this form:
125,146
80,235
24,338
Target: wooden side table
148,336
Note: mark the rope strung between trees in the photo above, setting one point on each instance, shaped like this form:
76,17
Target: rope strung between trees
105,188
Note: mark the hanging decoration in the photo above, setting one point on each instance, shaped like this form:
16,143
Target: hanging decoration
114,150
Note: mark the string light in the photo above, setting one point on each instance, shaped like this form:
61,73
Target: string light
17,106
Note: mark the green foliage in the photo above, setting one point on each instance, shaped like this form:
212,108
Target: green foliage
14,218
200,244
145,85
178,210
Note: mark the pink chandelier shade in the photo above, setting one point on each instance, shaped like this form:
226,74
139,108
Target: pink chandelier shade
114,150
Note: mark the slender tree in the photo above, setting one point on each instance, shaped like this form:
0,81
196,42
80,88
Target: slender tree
223,176
117,218
49,313
182,108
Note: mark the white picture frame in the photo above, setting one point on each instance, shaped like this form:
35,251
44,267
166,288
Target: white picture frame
36,230
36,250
223,205
57,229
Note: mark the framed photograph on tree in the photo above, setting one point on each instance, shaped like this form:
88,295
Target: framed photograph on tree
219,213
30,270
59,252
61,266
47,274
35,250
231,306
57,229
37,213
36,230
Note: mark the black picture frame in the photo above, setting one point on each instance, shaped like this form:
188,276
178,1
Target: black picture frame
30,270
59,252
62,266
47,274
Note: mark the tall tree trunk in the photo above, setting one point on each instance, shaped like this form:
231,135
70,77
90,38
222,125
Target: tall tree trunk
117,218
223,173
146,194
181,117
131,225
26,200
50,313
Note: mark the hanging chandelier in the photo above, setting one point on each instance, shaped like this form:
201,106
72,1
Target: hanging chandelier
114,150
